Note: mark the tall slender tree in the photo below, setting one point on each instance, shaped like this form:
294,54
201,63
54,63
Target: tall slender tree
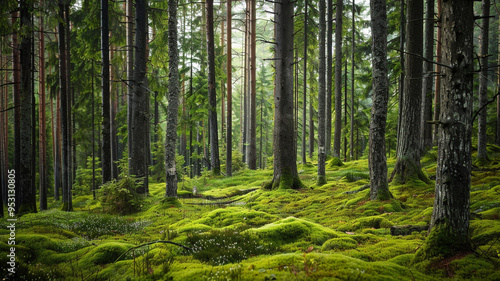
482,155
285,166
304,85
329,76
338,79
449,229
408,156
212,98
437,85
138,106
229,67
379,189
252,151
105,102
43,185
425,126
353,49
322,96
173,100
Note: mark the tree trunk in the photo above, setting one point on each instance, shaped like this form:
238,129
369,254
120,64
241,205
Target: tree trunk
321,97
437,87
377,161
65,162
138,106
408,157
426,135
229,137
402,35
329,84
482,156
338,79
17,101
252,152
449,232
105,102
304,91
130,66
498,89
212,97
353,48
173,101
42,142
285,166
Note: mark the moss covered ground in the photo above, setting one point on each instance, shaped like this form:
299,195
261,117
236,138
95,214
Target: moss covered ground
328,232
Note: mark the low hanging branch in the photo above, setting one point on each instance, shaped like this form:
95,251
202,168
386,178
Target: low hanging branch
490,101
150,243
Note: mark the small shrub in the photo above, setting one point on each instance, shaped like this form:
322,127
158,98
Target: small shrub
83,179
120,197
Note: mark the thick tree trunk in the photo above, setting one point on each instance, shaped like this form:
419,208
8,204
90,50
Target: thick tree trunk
498,89
105,102
408,157
449,232
425,126
338,79
482,155
42,120
17,101
173,101
139,118
65,162
321,180
379,189
229,136
285,166
212,98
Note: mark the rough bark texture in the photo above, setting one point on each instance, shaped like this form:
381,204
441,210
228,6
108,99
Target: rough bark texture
139,101
66,191
353,109
482,155
304,91
379,189
408,157
17,100
285,166
498,88
437,87
26,202
229,136
173,100
130,66
426,135
105,102
329,76
450,217
212,95
42,135
338,80
321,96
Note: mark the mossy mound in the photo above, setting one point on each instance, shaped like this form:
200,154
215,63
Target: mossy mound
343,243
292,229
335,162
104,254
367,222
235,216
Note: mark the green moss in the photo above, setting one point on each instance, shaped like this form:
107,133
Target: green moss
343,243
235,215
194,228
292,229
367,222
321,180
103,254
403,260
335,162
169,202
484,231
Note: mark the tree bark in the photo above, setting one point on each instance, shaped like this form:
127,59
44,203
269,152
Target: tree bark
252,153
139,102
105,102
42,120
377,161
17,101
338,80
304,91
351,123
322,92
212,95
329,83
437,86
285,166
408,157
425,126
129,30
482,155
173,101
449,232
229,67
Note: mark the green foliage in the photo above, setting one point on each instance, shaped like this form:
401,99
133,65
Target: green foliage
237,161
83,179
120,197
157,171
356,176
227,246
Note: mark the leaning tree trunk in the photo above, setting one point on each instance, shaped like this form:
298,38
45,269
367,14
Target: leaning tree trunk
482,155
321,96
449,232
285,156
212,97
173,101
408,157
338,80
377,161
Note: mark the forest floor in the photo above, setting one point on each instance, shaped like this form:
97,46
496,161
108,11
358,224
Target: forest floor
237,231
